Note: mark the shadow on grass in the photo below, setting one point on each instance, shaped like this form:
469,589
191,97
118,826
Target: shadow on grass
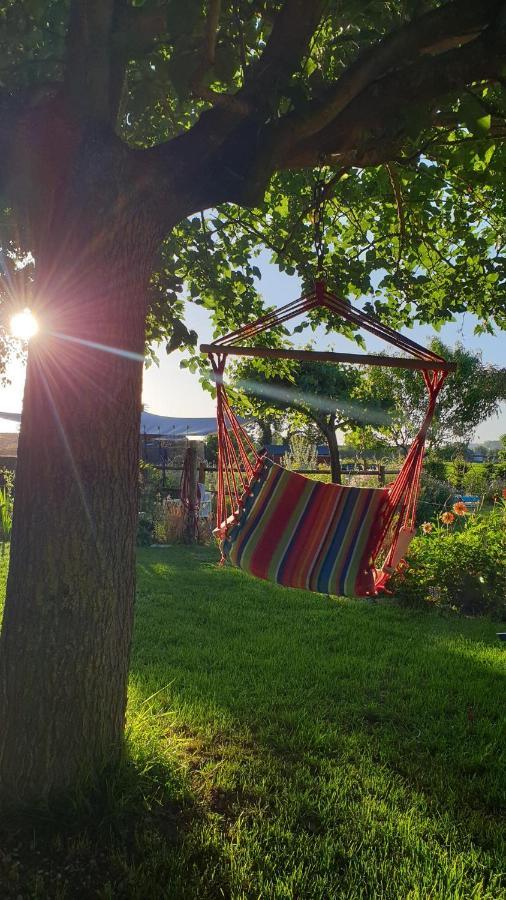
301,675
105,842
283,744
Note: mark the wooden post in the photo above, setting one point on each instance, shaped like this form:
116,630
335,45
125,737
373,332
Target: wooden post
190,526
381,476
202,472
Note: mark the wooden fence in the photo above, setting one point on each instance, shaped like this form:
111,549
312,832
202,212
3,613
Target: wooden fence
381,473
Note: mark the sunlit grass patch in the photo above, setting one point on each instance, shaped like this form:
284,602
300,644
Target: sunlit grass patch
284,744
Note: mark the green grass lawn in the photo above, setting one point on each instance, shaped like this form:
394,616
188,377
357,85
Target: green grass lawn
289,745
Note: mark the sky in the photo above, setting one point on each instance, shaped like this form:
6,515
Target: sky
171,391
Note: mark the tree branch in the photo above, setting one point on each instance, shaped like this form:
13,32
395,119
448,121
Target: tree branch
88,70
229,132
292,31
397,192
458,21
379,112
138,28
208,48
364,120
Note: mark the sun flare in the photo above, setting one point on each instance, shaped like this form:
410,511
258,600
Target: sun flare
24,325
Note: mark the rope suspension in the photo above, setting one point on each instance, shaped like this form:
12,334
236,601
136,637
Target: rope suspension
372,526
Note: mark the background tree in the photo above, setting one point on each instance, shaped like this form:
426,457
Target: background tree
120,124
314,393
366,445
471,395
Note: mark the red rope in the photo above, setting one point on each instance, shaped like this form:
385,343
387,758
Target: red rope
238,460
321,297
404,492
237,457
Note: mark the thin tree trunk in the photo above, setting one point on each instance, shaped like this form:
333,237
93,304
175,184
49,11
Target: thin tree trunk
66,633
265,433
335,458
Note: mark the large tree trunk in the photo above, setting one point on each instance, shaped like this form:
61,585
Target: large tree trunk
67,626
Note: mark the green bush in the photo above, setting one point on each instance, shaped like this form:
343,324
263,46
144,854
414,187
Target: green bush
475,481
435,496
457,471
460,566
490,472
145,529
500,470
6,506
436,468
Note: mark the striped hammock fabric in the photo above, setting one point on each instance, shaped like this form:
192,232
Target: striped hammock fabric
305,534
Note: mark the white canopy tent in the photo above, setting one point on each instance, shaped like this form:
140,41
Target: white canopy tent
173,427
165,426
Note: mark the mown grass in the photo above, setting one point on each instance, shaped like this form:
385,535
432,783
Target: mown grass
289,745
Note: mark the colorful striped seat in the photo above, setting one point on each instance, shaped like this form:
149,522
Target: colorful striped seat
286,528
306,534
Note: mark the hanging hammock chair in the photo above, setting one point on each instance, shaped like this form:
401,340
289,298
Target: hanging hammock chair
281,526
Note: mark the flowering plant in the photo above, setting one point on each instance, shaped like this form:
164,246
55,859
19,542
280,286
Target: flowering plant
458,561
447,518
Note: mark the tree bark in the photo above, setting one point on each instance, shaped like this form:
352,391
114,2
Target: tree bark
335,458
64,647
265,432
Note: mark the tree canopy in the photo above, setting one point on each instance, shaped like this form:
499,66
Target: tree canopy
471,395
400,106
322,395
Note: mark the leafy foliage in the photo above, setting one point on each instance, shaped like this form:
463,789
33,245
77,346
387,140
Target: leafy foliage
302,454
6,507
366,446
460,566
149,498
420,235
316,397
435,496
471,394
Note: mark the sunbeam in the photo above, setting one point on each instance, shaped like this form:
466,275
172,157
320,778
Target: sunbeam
285,395
94,345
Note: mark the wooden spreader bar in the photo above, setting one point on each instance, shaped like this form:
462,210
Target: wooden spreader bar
395,362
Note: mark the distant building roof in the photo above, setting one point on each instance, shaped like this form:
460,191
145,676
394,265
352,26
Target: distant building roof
9,445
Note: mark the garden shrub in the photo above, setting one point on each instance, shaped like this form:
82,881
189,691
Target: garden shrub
144,530
459,566
475,481
500,470
363,481
436,468
6,505
490,472
457,472
302,454
149,497
435,496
